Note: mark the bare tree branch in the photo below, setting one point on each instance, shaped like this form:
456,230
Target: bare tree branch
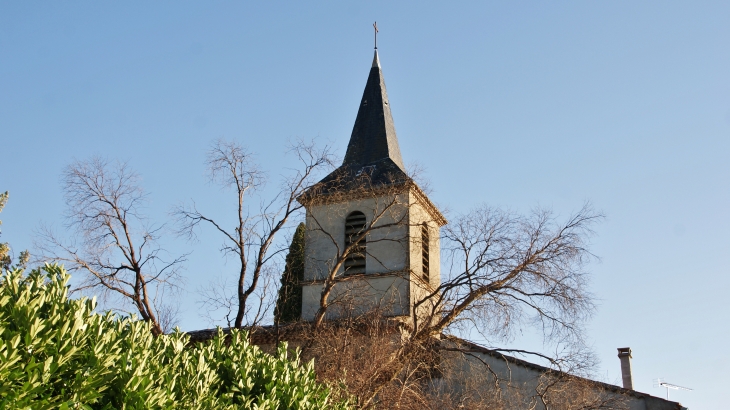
251,239
104,201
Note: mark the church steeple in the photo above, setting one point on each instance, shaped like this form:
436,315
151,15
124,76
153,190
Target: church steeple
373,137
397,259
373,156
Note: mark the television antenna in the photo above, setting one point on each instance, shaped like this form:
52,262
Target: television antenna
660,382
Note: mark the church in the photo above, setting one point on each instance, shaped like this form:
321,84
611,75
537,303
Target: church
373,245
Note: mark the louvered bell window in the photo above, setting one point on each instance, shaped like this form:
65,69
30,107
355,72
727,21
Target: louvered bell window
354,226
424,251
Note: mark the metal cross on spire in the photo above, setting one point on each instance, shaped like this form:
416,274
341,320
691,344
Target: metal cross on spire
375,26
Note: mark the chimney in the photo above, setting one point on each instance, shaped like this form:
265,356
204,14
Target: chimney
624,354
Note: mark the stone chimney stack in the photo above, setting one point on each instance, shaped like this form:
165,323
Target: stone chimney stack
624,353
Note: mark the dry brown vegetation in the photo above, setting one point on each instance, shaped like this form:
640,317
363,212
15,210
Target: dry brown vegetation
353,354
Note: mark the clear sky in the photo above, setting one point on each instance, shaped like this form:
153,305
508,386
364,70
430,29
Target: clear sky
513,104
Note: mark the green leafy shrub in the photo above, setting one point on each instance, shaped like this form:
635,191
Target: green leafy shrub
55,352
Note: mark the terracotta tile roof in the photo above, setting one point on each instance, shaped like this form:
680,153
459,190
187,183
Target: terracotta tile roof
260,335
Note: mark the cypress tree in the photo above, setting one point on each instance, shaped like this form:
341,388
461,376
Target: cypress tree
289,303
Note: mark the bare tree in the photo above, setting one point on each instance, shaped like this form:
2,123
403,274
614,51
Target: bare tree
505,272
114,242
251,239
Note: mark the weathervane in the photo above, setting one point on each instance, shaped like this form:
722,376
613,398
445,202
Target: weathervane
375,26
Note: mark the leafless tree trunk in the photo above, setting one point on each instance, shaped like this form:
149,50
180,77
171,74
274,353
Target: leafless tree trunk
251,239
115,245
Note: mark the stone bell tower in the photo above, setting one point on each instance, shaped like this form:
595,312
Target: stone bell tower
370,206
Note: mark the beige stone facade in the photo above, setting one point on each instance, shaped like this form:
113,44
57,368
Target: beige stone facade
394,271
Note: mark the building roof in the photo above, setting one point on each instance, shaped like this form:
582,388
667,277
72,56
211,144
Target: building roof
373,156
373,161
373,137
260,335
468,346
295,332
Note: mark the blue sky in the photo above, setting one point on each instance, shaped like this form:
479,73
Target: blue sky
513,104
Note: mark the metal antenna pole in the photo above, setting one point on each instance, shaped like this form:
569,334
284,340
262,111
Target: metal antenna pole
668,386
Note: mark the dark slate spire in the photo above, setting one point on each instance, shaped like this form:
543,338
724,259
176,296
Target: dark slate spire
373,157
373,137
